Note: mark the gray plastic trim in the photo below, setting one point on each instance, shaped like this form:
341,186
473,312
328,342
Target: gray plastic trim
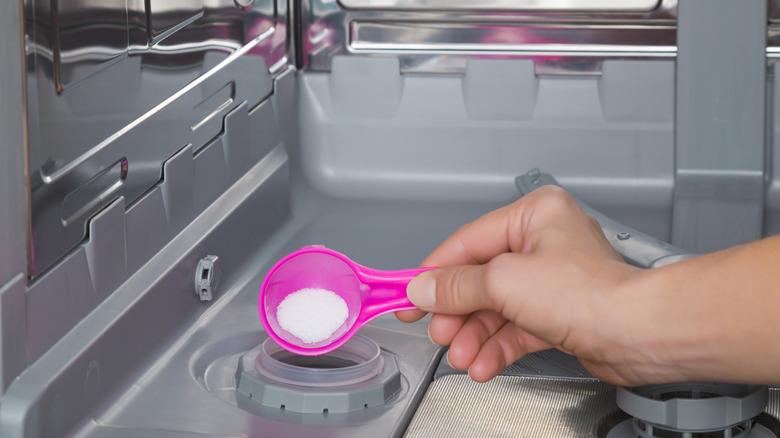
720,107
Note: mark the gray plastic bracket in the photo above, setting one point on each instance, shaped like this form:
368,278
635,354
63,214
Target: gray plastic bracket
503,89
207,277
365,87
720,133
651,83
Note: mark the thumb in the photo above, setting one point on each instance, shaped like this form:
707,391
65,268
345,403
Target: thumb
453,290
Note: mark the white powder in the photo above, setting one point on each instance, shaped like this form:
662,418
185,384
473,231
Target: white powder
311,314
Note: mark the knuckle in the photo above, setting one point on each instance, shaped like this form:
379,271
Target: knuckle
595,225
555,201
553,191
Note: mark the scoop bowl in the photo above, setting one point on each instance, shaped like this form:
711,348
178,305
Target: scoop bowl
368,293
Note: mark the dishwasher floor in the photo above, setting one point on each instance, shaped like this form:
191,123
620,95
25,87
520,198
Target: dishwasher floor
190,387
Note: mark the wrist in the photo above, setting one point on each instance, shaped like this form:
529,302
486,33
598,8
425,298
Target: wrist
680,321
648,334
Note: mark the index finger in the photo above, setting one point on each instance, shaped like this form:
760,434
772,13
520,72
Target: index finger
504,230
476,242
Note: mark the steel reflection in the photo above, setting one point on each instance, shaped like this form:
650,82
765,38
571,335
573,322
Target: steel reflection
433,36
98,70
506,5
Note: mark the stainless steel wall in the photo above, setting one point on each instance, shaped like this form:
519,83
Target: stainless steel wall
114,88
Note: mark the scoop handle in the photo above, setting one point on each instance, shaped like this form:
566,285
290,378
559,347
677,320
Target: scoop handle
387,291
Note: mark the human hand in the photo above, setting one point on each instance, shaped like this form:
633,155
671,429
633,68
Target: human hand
533,275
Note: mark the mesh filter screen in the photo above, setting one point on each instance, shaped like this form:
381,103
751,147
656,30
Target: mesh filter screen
522,406
512,406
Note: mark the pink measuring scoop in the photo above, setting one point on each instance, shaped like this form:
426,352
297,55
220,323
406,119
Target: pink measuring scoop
368,293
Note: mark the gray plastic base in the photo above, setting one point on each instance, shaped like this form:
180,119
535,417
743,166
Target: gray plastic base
626,430
693,407
258,386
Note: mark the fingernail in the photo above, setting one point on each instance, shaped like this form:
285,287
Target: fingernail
422,291
447,358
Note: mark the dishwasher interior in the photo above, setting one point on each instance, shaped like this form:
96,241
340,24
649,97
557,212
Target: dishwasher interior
158,157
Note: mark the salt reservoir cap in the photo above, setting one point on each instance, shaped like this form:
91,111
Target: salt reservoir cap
315,299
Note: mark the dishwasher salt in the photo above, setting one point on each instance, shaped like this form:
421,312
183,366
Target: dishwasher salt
312,314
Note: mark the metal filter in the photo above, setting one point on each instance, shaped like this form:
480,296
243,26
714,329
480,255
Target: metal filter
543,407
514,406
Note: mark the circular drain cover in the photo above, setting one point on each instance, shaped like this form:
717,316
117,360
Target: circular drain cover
356,376
692,410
